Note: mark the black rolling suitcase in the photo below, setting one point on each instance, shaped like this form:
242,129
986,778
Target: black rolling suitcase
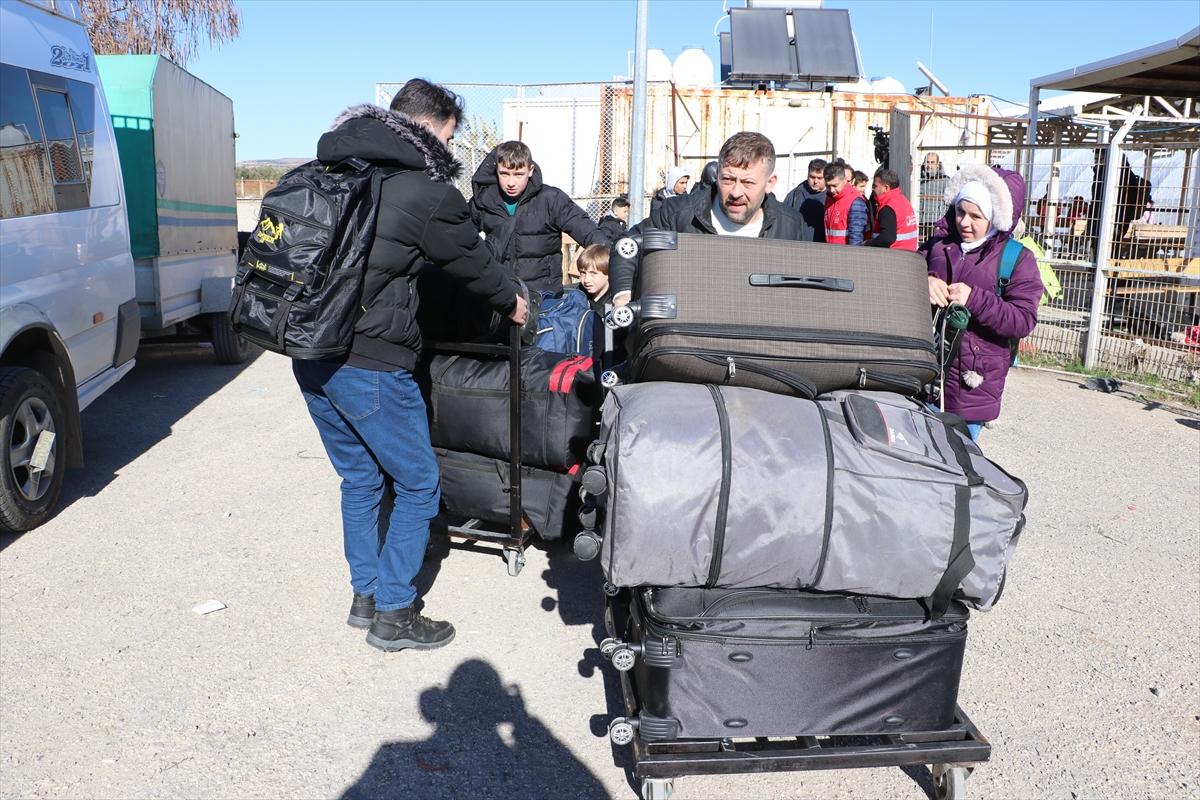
762,662
788,317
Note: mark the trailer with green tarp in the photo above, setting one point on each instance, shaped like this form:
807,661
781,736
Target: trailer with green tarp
175,139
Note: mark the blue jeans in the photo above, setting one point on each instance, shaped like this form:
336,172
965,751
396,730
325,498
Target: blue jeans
374,427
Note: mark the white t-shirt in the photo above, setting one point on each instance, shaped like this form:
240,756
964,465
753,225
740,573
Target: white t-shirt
727,227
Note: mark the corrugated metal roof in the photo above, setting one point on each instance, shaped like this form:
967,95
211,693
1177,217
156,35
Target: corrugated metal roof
1167,69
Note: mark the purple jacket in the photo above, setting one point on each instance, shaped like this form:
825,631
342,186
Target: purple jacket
994,319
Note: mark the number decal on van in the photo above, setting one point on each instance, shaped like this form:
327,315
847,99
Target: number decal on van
67,58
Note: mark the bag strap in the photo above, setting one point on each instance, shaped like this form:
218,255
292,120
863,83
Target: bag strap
1008,263
961,561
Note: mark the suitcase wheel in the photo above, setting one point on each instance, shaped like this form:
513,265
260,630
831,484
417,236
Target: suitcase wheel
586,546
623,657
949,782
620,317
658,788
588,516
595,480
608,645
595,451
621,730
611,589
610,379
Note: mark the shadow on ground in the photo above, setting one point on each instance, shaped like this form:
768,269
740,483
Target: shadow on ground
140,411
485,744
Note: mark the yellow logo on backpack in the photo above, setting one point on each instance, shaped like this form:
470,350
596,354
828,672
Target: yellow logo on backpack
268,231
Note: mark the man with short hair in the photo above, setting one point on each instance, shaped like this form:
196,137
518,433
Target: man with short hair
367,407
808,200
524,219
740,204
614,223
846,214
895,221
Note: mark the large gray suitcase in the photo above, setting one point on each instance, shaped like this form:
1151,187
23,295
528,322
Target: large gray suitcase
862,492
790,317
763,662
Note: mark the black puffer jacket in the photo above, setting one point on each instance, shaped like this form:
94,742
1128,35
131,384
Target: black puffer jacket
692,213
422,220
531,240
810,205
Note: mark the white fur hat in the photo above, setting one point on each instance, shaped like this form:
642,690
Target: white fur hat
1002,205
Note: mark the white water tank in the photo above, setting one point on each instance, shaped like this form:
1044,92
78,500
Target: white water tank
693,67
888,85
658,65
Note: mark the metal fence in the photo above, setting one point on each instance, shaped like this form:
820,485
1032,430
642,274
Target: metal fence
1137,230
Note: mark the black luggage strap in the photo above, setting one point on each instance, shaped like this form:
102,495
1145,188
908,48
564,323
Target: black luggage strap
961,561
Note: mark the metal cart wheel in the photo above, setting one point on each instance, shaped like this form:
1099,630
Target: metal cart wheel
620,731
515,560
658,788
949,782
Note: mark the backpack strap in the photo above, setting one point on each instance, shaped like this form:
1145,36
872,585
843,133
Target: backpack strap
1008,263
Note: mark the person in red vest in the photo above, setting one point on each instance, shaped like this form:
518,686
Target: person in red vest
845,209
895,220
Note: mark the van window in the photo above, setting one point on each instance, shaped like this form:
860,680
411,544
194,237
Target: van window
83,111
70,191
47,145
25,184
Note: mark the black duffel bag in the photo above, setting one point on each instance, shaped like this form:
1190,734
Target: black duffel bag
469,403
477,486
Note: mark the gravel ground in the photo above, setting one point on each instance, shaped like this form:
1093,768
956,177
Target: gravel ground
208,482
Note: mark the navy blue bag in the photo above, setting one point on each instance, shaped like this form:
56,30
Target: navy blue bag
566,323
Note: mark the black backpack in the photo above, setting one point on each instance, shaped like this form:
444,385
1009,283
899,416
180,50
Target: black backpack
299,281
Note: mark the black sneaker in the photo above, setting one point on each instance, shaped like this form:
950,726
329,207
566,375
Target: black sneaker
362,611
404,628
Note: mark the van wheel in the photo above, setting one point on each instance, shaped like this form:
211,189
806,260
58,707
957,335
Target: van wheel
229,347
30,411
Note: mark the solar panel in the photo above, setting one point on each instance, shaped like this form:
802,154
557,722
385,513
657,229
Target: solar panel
796,48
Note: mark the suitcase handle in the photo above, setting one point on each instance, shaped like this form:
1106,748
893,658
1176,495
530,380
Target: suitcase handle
803,282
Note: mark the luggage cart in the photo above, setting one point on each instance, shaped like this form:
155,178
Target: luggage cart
952,753
514,540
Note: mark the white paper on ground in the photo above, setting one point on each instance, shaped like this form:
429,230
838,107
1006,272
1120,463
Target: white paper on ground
209,606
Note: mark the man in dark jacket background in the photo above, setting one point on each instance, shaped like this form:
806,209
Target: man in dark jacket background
808,200
741,204
367,408
524,220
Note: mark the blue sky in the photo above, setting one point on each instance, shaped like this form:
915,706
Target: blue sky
297,64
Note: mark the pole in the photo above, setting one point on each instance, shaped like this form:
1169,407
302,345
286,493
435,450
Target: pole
637,138
1108,213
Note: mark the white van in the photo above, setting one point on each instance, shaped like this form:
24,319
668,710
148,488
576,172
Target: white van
69,319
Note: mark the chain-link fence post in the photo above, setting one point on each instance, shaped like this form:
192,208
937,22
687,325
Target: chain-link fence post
637,180
1108,211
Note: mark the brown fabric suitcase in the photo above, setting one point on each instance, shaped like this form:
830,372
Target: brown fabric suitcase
788,317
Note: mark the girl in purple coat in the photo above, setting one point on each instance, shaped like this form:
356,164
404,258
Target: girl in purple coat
964,263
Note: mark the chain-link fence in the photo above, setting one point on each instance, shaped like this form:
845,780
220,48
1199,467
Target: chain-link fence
1145,313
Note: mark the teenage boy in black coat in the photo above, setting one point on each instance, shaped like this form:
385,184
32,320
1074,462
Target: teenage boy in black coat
523,219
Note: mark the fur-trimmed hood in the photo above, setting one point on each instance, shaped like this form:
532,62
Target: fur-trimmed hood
1003,189
387,138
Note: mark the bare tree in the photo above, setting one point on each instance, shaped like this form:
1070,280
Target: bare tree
171,28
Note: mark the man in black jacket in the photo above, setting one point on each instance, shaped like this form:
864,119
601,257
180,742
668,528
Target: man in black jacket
524,220
808,199
741,204
367,407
